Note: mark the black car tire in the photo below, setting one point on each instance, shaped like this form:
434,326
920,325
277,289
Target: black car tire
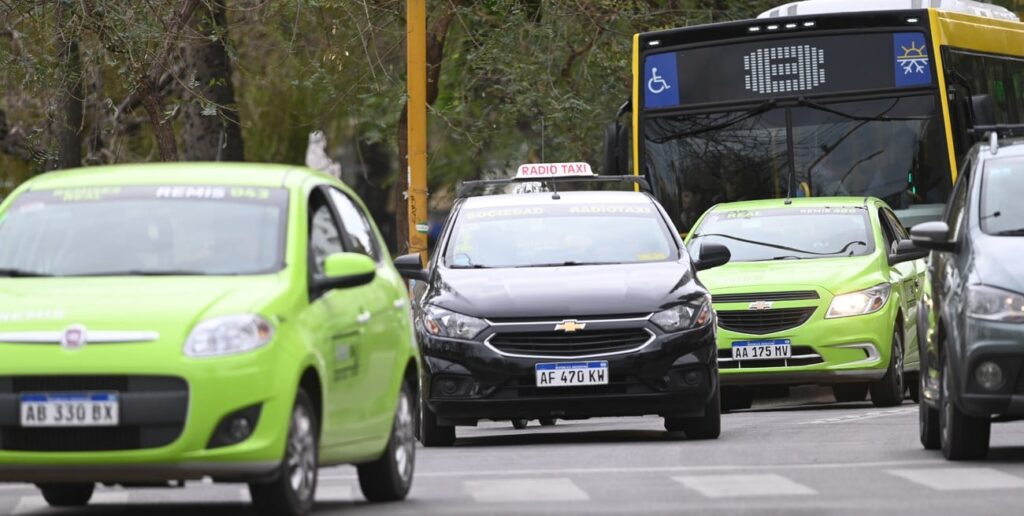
962,437
913,386
67,495
849,392
547,421
520,424
280,496
432,434
708,426
928,421
389,478
888,392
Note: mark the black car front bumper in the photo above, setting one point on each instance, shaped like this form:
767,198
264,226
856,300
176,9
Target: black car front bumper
672,375
1003,344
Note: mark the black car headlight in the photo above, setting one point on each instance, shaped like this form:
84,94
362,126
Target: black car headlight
445,323
680,317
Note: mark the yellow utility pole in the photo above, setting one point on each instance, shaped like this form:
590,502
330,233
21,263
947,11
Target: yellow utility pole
416,71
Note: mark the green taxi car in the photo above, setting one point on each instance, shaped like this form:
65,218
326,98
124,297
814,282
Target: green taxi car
169,322
819,291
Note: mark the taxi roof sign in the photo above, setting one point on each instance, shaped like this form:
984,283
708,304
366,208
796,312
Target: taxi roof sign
552,170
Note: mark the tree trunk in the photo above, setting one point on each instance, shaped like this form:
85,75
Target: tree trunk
211,131
68,119
163,129
436,36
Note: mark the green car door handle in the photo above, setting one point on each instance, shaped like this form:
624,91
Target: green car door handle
363,317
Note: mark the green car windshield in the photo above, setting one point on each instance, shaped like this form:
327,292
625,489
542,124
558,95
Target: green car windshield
787,233
548,236
144,230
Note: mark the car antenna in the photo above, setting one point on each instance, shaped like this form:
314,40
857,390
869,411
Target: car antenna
554,191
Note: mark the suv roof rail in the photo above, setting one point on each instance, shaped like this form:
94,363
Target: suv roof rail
1003,130
466,187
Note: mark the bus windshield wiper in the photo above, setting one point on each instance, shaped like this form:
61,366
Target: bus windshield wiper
760,108
782,247
877,118
22,273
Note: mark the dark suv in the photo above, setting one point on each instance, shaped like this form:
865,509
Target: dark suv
972,356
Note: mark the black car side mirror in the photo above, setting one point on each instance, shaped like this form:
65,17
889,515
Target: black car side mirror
711,256
906,251
933,236
411,267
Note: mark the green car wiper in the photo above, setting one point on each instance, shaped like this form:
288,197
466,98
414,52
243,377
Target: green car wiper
782,247
139,272
22,273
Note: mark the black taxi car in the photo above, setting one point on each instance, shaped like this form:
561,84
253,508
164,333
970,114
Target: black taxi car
972,357
564,304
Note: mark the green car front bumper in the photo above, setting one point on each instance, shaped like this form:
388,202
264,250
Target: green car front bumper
170,407
824,351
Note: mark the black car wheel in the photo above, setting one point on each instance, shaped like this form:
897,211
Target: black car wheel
67,495
963,437
888,392
708,426
849,392
547,421
432,434
520,424
389,478
293,490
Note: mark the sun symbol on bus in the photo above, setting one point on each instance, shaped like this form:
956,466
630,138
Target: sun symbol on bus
914,59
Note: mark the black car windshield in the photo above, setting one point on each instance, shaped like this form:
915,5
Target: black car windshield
1002,188
143,230
787,233
562,235
891,148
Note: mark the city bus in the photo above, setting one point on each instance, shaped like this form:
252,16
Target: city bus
819,98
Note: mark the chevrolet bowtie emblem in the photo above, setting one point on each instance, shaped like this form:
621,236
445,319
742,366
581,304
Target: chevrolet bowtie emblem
760,305
570,326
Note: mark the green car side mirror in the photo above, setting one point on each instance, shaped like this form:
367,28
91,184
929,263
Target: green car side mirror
344,270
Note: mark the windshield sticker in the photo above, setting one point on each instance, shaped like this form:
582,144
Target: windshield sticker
503,212
742,214
39,199
191,192
828,211
86,193
912,66
639,210
651,257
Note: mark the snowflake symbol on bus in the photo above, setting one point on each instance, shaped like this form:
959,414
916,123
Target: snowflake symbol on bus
914,59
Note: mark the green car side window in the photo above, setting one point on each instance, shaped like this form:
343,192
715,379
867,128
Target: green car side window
324,237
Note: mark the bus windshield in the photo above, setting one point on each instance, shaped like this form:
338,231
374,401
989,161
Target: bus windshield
892,148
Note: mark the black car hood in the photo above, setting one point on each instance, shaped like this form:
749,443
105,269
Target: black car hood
563,292
998,263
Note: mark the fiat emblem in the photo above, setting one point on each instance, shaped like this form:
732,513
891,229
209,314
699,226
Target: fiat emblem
74,337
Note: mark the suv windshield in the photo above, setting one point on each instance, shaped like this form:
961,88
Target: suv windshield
567,234
787,233
114,231
891,148
1002,188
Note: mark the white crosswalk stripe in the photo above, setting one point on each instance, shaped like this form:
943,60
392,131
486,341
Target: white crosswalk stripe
525,490
960,479
324,494
731,486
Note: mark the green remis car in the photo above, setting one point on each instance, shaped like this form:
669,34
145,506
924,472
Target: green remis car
818,291
162,323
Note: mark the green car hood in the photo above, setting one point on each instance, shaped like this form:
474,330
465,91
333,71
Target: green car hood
836,275
170,306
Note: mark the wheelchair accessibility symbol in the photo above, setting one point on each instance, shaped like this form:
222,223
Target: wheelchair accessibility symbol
657,84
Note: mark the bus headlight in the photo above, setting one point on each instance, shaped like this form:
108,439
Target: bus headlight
863,302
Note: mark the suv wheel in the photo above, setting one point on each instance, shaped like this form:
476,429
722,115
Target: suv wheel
888,392
293,489
963,437
389,478
708,426
67,495
432,434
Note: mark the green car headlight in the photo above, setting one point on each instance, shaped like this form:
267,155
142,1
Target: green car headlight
228,335
445,323
863,302
681,317
992,304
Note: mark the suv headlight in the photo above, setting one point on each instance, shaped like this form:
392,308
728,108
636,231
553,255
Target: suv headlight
445,323
228,335
680,317
992,304
863,302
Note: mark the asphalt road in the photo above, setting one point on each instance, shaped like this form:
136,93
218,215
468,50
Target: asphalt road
800,456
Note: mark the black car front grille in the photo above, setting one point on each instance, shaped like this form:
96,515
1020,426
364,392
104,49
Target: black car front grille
580,343
152,413
763,322
798,295
801,356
